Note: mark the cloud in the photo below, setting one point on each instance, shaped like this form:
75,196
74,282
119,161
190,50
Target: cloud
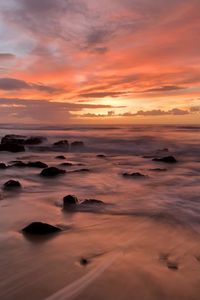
102,94
6,56
157,112
12,84
166,88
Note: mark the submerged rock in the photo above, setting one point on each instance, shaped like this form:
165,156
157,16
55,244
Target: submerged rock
158,170
77,144
3,166
70,202
84,170
66,164
52,171
167,159
19,164
60,157
11,185
13,139
172,265
34,140
84,261
37,164
101,156
39,228
62,143
92,202
12,147
134,175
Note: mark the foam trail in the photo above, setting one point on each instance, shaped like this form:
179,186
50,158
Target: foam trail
74,289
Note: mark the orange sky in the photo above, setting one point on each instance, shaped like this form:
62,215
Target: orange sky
108,61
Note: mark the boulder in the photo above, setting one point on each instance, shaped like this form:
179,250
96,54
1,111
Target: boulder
39,228
70,202
60,157
12,147
134,175
101,156
19,164
62,143
52,171
167,159
13,139
11,185
37,164
3,166
34,140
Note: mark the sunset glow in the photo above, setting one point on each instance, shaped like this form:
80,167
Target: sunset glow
108,61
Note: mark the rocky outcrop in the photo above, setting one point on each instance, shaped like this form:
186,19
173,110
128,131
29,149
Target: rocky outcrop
39,228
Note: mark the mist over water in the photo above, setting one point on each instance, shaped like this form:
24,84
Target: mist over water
149,222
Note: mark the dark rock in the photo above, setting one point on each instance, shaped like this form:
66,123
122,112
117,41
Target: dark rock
66,164
77,144
92,202
167,159
52,171
11,184
84,261
158,170
12,147
3,166
13,139
84,170
37,164
62,143
101,156
70,202
39,228
34,140
134,175
172,265
60,157
19,164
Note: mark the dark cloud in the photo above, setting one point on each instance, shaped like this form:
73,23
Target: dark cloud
102,94
157,112
6,56
166,88
11,84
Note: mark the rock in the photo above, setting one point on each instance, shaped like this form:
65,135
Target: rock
12,147
62,143
37,164
66,164
3,166
34,140
101,156
84,261
70,202
60,157
19,164
134,175
92,202
167,159
39,228
11,184
158,170
81,170
52,171
13,139
172,265
77,144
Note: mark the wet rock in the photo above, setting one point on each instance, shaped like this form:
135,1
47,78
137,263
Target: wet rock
52,172
12,147
62,143
3,166
60,157
66,164
101,156
70,202
134,175
37,164
13,139
11,185
19,164
167,159
84,170
172,265
77,144
34,140
92,202
84,261
158,170
39,228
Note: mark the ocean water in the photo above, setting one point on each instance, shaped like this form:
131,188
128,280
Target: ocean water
150,224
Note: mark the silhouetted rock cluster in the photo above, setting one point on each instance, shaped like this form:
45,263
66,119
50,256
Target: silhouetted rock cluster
71,202
16,143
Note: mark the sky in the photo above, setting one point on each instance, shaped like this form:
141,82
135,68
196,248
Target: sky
107,61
